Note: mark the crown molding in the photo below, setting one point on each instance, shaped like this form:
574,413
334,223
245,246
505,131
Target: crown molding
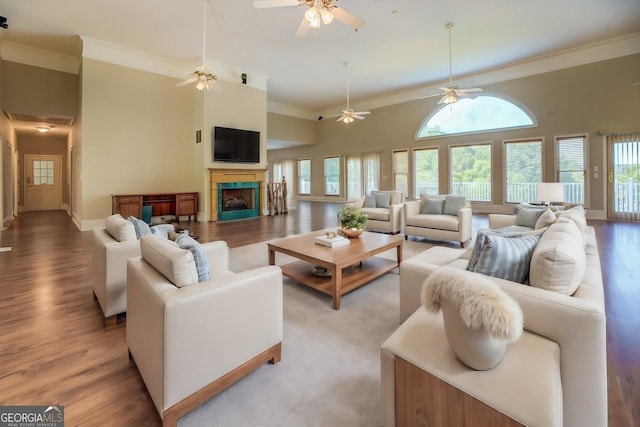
28,55
582,55
292,111
114,54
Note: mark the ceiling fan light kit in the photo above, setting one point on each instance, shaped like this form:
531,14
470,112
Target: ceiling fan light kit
320,12
451,93
201,76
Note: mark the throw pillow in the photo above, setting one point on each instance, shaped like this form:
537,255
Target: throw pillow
432,206
546,219
559,262
370,201
202,262
382,199
506,257
175,264
452,204
119,228
576,214
141,227
528,216
162,230
479,243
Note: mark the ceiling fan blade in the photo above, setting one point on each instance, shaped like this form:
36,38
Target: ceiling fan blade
355,116
263,4
430,96
303,28
341,118
473,89
346,18
361,112
188,81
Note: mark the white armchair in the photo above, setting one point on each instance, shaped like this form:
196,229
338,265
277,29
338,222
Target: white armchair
432,217
383,209
191,342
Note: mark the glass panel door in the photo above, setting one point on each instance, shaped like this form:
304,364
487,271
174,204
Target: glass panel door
624,176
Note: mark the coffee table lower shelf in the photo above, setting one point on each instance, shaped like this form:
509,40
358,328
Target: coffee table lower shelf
352,276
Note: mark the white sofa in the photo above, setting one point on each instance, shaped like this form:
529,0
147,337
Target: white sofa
383,209
455,225
575,323
191,342
111,247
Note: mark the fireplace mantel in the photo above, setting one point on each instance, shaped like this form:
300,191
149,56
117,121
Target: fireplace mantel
235,175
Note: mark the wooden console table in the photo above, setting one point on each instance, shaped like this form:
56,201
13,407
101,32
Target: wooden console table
176,204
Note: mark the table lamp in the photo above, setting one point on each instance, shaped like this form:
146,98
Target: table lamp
549,192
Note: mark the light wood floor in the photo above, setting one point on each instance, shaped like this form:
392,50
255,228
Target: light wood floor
55,350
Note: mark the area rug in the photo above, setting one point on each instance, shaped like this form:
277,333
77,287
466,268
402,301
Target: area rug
329,374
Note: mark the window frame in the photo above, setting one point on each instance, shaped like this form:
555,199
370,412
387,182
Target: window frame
339,176
505,183
299,187
502,97
585,164
395,173
451,147
414,172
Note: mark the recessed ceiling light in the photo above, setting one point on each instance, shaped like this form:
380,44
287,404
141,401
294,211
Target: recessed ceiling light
42,129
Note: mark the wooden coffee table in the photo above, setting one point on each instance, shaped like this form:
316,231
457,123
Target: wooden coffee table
350,266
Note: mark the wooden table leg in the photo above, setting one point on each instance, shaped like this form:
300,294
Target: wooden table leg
272,257
399,254
336,286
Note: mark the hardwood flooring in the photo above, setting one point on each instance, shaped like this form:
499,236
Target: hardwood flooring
55,350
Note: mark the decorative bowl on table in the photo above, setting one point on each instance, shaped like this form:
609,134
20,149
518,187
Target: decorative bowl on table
351,232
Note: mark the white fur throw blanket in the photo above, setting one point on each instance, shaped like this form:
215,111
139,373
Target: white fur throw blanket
480,302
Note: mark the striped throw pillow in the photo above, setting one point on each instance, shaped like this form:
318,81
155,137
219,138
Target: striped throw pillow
506,257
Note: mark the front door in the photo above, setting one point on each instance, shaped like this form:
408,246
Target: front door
42,177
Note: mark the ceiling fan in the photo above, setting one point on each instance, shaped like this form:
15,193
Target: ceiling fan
451,93
202,75
319,12
348,116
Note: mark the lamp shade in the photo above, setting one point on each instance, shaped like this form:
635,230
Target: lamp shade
550,192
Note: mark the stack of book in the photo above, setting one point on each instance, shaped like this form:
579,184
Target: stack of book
332,242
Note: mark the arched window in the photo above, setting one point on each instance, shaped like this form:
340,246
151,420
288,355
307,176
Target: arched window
480,114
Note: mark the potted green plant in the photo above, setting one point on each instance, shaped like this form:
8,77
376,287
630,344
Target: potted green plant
352,221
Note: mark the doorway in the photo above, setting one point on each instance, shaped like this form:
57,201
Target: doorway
623,186
43,182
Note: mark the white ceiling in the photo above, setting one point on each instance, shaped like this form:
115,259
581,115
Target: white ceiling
402,46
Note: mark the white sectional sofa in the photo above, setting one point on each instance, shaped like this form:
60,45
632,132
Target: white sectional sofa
567,310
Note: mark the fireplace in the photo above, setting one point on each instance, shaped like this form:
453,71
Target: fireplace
238,200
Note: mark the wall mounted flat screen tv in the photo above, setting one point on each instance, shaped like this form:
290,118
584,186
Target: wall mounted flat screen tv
236,145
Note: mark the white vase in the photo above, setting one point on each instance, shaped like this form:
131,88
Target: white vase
474,347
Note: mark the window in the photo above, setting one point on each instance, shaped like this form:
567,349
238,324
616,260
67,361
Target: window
43,172
482,113
304,176
400,159
425,162
363,174
332,176
570,166
470,171
523,170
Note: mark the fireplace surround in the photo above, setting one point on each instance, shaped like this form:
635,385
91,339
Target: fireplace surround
236,193
238,200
